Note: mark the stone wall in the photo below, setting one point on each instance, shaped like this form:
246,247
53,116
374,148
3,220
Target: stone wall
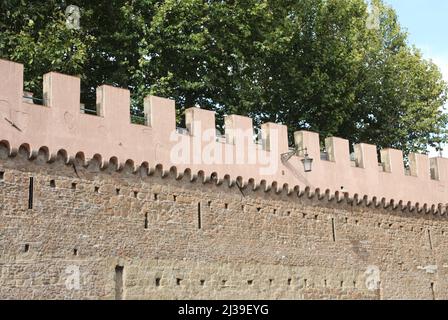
134,236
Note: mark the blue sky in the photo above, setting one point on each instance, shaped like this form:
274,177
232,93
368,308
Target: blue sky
426,21
427,24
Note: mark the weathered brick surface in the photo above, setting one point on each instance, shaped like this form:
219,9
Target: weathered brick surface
251,244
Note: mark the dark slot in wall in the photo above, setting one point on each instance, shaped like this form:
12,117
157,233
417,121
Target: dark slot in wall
119,270
30,193
430,239
199,216
433,292
146,220
333,229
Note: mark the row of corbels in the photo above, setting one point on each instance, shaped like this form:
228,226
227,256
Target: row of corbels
96,163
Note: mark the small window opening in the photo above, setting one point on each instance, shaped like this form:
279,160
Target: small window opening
119,270
199,216
30,193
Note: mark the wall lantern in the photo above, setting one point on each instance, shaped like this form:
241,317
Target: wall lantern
306,161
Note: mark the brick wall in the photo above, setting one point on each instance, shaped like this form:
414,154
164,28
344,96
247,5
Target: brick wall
147,237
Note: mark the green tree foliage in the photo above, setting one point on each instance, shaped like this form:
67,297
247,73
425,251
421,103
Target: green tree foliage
310,64
34,33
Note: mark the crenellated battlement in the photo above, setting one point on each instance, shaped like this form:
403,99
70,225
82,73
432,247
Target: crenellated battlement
61,126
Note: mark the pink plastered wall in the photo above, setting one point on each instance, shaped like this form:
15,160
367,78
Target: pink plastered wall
110,136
